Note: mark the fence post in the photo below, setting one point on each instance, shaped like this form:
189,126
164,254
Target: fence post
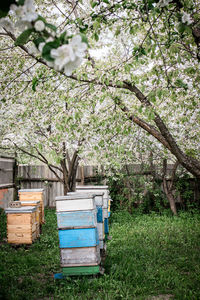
15,178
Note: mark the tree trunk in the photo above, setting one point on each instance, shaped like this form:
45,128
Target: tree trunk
168,189
15,178
73,177
170,197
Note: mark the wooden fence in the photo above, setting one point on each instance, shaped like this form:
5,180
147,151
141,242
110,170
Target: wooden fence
31,177
39,176
7,191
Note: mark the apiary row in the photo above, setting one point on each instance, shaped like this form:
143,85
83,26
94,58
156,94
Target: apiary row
25,217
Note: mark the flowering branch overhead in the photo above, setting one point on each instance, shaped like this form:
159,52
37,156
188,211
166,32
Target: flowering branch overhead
61,52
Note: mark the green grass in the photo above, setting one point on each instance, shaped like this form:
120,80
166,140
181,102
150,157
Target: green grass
149,255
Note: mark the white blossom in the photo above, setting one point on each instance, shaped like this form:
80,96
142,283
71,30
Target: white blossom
39,25
40,47
25,12
71,66
78,46
63,55
186,19
163,3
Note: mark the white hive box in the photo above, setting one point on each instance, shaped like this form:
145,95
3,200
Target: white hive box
74,203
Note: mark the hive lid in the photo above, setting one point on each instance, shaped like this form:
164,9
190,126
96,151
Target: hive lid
92,187
75,197
30,190
24,209
88,193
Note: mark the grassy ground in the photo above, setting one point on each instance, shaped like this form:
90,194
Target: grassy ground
149,257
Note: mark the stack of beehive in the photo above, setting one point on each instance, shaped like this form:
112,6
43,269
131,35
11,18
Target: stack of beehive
21,225
78,235
25,217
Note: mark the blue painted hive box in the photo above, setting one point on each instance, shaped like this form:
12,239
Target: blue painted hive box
74,238
84,218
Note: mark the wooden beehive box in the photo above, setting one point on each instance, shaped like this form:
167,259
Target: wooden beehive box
75,203
74,257
33,195
77,219
38,213
21,225
78,237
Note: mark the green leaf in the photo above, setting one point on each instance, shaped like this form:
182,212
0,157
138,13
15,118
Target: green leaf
181,28
46,51
150,115
62,37
83,28
34,83
96,36
84,38
40,146
41,18
38,40
140,109
52,27
93,4
24,37
21,2
181,84
118,30
106,1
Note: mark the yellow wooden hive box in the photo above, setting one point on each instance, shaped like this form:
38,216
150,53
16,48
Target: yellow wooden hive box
21,225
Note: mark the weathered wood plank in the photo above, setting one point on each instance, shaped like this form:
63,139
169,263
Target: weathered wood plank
100,227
